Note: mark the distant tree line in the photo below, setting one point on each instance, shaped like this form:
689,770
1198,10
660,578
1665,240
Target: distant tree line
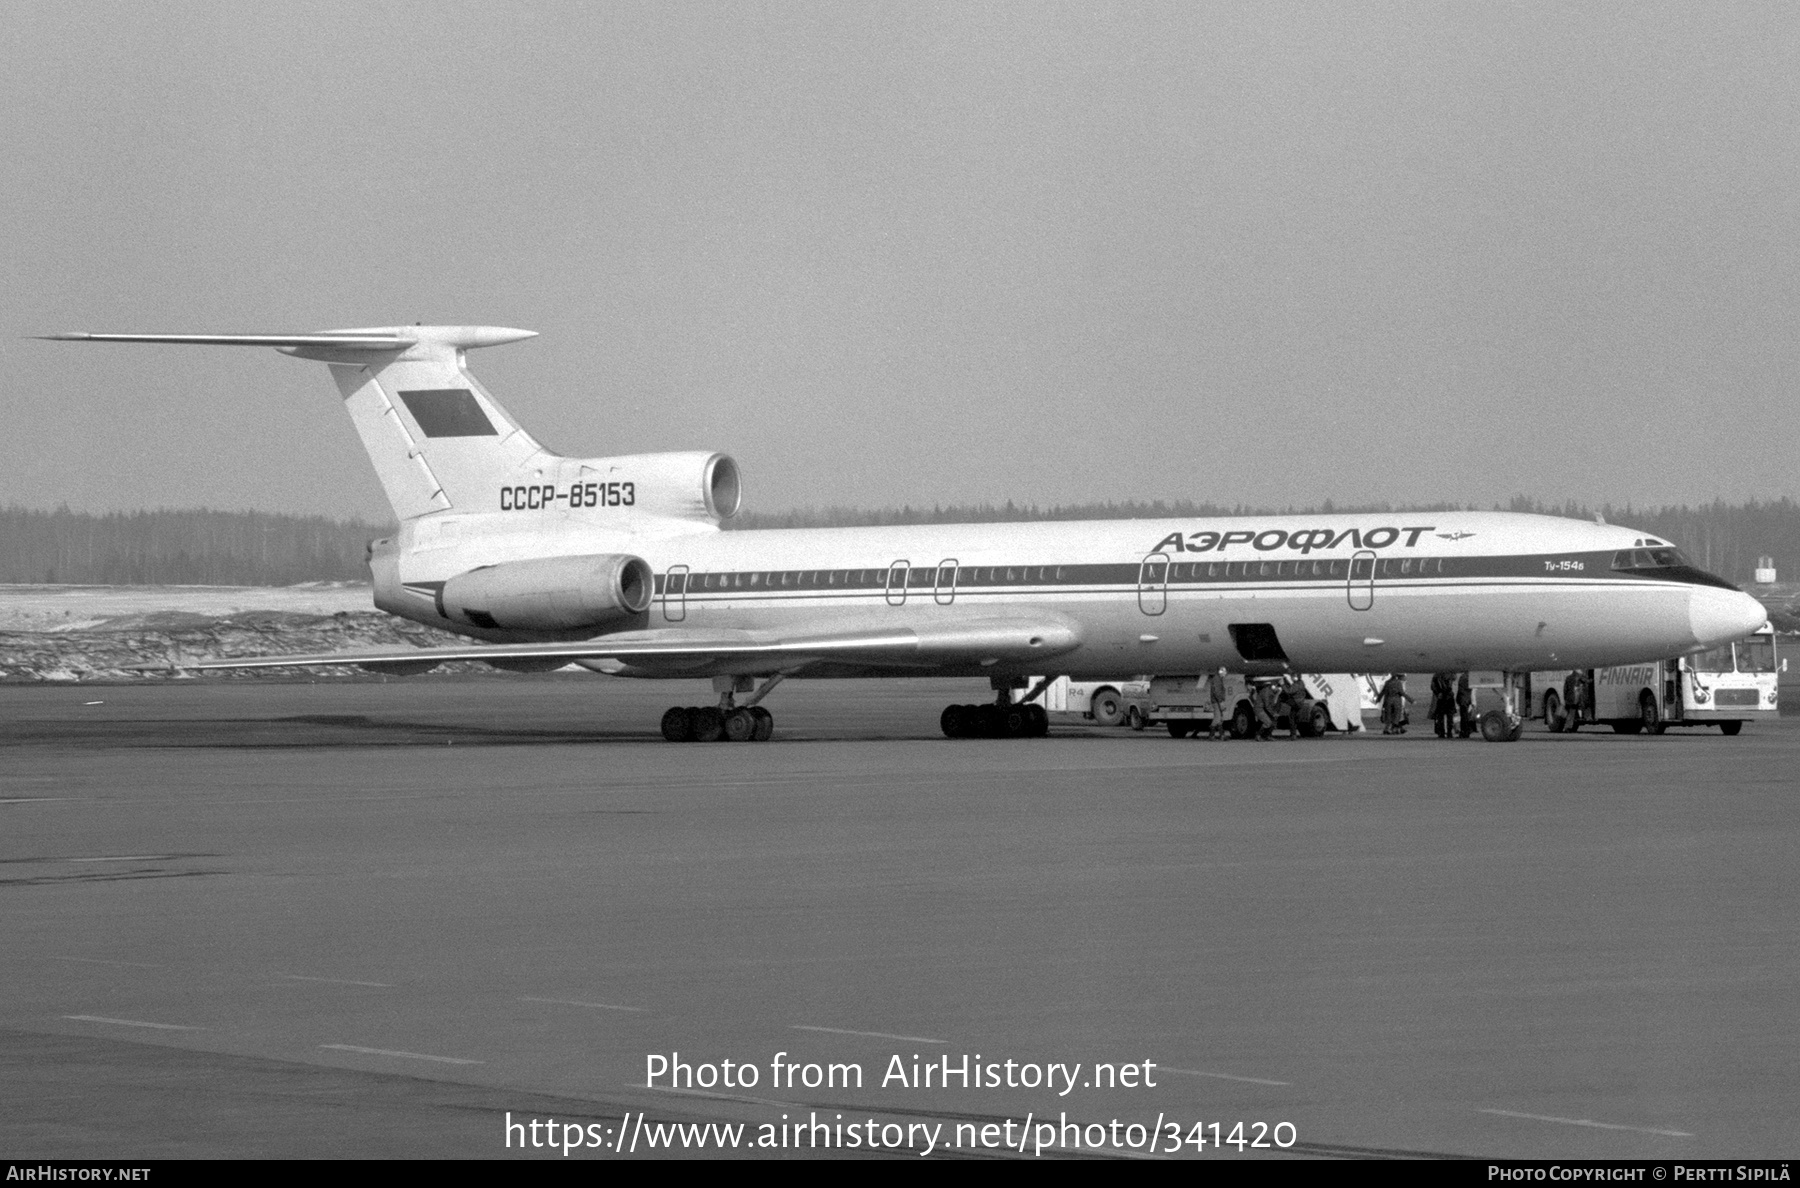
262,549
156,548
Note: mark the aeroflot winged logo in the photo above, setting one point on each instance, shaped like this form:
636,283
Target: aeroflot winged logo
1303,540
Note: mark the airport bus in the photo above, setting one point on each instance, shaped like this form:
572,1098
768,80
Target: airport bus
1724,686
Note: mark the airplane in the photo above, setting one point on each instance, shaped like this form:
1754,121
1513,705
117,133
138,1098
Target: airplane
619,565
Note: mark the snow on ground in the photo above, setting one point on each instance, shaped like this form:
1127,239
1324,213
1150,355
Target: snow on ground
75,608
112,633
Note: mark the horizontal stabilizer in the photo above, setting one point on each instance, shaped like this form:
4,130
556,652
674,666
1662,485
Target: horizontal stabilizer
991,640
343,341
327,345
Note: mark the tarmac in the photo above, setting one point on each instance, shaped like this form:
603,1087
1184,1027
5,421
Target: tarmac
382,918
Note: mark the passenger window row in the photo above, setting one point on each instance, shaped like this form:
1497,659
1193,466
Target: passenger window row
926,577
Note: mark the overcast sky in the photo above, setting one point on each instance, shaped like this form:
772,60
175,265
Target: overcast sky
915,253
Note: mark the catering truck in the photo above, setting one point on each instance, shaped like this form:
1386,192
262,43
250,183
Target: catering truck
1725,687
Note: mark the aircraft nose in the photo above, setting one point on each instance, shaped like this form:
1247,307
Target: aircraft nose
1720,616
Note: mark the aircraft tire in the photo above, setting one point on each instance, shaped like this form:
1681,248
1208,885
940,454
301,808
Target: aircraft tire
708,723
676,726
765,724
952,722
987,721
740,726
1730,729
1040,721
1494,727
1553,715
1015,722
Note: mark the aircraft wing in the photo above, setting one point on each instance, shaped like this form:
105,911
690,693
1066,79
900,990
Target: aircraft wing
677,651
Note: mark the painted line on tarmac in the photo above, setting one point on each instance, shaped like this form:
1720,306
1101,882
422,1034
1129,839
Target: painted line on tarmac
916,1039
1588,1122
1194,1072
403,1055
132,1023
335,981
104,961
601,1006
36,799
129,858
765,1101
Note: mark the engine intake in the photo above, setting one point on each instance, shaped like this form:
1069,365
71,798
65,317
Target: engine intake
550,593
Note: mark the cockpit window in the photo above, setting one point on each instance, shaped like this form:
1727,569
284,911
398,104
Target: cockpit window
1650,559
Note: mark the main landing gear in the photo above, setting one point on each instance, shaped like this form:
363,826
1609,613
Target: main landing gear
729,721
703,723
1001,718
994,721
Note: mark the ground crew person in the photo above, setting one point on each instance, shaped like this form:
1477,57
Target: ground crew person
1465,703
1443,705
1574,693
1393,704
1293,693
1215,693
1265,700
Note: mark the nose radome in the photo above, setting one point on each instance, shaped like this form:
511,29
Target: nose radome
1720,616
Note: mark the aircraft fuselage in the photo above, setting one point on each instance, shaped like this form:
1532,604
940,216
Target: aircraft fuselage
1406,591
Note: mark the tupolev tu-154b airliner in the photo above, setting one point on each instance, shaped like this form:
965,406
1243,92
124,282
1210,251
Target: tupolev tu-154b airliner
619,565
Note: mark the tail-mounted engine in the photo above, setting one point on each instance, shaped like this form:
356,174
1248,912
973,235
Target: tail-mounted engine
690,485
550,593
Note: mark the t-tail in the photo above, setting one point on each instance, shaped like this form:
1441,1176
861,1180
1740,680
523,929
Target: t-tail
453,442
440,442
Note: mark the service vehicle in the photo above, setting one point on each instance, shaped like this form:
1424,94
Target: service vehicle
1180,704
1116,702
1724,686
